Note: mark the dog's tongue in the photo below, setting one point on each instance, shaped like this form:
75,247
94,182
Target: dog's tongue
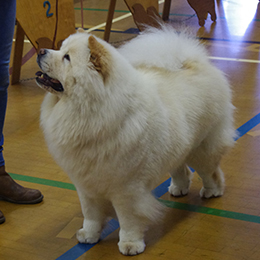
44,79
55,81
38,73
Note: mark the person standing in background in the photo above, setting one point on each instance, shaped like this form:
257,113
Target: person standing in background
9,190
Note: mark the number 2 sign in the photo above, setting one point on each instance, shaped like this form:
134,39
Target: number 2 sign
48,14
52,20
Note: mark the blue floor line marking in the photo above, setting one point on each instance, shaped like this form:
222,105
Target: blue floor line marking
80,249
242,130
137,31
228,40
159,191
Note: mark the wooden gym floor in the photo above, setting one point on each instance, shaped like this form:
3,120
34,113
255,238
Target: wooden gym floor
225,228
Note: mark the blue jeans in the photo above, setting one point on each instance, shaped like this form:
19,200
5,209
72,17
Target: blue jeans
7,24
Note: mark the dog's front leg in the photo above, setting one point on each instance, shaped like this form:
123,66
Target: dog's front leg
94,217
131,240
132,227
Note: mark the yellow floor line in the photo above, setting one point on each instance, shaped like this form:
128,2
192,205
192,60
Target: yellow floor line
69,231
254,133
115,20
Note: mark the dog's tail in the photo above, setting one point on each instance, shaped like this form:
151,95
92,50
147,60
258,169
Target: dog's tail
150,208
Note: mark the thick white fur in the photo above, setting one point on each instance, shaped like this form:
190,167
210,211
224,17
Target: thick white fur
163,106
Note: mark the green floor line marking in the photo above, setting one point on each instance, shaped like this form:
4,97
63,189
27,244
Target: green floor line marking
122,11
211,211
58,184
125,11
169,204
100,10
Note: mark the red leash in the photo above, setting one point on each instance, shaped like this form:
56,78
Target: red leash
82,18
56,26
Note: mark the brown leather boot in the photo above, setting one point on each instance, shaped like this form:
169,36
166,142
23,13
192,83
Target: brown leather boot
13,192
2,217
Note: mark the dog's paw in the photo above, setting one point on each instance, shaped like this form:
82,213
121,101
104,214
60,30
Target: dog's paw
84,236
178,192
131,247
211,193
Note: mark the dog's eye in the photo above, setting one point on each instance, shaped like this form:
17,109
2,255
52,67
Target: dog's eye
67,57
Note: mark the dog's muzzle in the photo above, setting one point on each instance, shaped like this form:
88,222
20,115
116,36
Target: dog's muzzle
43,78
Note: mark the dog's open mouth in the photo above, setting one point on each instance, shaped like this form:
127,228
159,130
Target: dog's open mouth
45,81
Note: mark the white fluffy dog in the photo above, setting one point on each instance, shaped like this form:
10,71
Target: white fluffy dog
117,119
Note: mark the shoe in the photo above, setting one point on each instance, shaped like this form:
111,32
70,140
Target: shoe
13,192
2,217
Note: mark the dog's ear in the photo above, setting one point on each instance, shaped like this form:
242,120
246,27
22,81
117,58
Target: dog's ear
99,57
80,30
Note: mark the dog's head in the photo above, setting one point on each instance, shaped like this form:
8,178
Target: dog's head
82,60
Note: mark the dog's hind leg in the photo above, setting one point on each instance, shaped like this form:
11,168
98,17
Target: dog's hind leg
180,181
206,163
94,212
213,184
205,159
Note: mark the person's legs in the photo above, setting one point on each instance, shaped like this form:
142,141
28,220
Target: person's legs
2,218
7,21
9,189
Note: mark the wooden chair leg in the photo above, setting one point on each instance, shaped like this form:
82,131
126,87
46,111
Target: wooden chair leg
166,10
110,16
18,54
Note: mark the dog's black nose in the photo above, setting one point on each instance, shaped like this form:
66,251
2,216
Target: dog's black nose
40,55
42,52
